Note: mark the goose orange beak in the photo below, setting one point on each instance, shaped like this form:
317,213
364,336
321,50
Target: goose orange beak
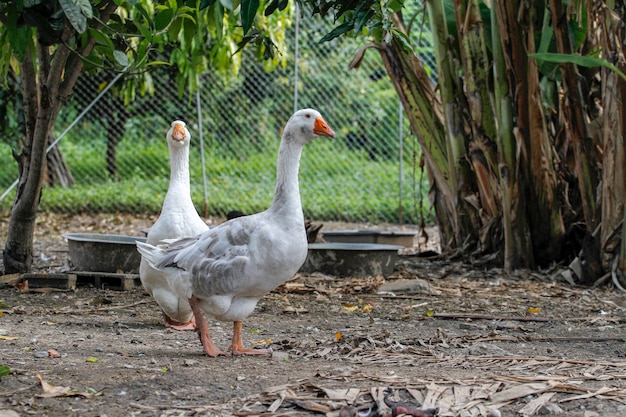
321,128
178,132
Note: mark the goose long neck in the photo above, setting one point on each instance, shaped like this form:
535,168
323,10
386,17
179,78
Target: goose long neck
287,192
179,175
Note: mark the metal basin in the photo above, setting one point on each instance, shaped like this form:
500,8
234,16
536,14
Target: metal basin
350,259
98,252
383,237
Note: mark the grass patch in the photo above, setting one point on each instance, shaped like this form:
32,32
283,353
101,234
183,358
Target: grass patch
336,183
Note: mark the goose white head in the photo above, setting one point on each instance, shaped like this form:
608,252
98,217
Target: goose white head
304,125
178,135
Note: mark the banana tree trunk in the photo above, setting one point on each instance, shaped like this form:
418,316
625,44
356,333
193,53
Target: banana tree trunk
451,91
537,229
423,108
481,146
585,158
518,250
610,130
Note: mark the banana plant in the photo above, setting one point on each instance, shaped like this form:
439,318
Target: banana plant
523,133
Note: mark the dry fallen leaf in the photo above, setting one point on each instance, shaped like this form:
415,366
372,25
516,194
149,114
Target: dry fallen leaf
52,391
350,307
297,310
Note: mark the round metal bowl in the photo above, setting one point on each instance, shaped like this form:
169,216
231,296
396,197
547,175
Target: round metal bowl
98,252
383,237
351,259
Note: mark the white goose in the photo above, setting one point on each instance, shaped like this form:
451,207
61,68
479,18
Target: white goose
227,269
178,219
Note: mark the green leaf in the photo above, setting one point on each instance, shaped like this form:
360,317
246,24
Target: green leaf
145,31
4,370
583,61
18,37
246,40
338,31
269,46
228,4
174,28
163,19
31,3
206,3
120,58
189,31
361,18
271,8
248,12
93,61
144,13
74,14
215,19
101,38
547,33
85,7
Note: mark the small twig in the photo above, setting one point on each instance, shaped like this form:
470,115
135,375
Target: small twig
178,407
572,339
487,317
572,362
8,393
100,309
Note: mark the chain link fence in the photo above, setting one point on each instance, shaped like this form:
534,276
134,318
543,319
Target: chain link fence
112,157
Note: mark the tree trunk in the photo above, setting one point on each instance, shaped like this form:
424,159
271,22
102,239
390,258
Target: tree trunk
39,113
44,94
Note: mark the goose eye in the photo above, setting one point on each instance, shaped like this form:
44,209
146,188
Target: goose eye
308,116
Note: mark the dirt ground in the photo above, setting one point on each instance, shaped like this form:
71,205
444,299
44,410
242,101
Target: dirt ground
434,334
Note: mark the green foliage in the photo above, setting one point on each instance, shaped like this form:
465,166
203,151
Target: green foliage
193,40
8,166
356,18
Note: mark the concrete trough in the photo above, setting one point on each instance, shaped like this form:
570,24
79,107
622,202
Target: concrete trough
383,237
351,259
99,252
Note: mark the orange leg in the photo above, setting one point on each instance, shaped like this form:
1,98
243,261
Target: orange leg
177,325
237,346
203,330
